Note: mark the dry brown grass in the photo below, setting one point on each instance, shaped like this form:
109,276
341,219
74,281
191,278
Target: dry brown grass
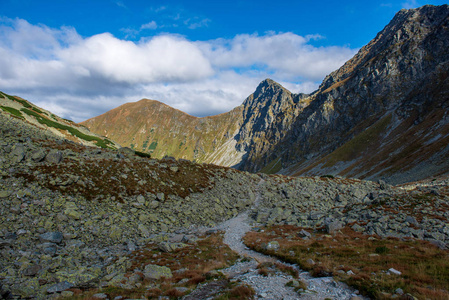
193,263
424,267
101,178
268,268
242,292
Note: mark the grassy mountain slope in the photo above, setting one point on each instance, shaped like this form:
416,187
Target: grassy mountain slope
151,126
27,111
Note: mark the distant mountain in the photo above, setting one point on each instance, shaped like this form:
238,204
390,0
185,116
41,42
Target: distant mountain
381,115
22,109
153,127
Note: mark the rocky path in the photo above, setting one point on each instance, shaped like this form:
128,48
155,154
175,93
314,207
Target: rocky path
273,286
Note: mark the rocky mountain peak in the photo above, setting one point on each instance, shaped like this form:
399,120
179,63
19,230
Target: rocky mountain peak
401,37
268,86
376,100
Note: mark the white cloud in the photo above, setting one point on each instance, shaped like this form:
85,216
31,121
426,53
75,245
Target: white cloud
285,54
80,77
410,4
150,25
196,23
162,58
121,4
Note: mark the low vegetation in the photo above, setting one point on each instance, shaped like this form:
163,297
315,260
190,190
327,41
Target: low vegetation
103,143
273,167
198,262
138,176
12,111
363,261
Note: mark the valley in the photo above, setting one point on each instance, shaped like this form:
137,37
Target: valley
339,194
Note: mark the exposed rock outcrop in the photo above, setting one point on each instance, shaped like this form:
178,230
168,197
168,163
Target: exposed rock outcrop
383,112
381,115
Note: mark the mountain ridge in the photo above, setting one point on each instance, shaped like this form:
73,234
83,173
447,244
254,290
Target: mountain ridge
370,95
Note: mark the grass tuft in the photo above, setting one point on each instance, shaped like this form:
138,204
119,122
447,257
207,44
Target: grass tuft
424,267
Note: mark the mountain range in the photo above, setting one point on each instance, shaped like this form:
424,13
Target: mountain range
383,114
82,217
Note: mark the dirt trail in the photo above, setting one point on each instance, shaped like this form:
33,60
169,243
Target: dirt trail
273,287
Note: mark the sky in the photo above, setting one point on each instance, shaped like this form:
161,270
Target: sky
81,58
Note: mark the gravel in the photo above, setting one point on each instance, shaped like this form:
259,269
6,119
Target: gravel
274,286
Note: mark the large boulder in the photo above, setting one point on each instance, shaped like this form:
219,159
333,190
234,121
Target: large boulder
54,157
156,272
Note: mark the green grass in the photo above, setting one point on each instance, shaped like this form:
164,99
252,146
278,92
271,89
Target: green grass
12,98
145,145
153,146
273,167
103,143
12,111
23,102
360,143
37,110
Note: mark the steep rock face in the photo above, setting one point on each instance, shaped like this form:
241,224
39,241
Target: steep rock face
268,114
398,80
381,115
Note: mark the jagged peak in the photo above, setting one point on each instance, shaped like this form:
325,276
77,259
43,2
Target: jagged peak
269,85
407,24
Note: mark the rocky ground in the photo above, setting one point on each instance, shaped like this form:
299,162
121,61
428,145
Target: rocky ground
70,215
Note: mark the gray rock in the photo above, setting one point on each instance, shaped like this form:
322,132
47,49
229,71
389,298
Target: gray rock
181,289
310,261
49,248
54,157
141,199
304,234
67,294
32,270
4,244
394,271
38,155
18,153
411,220
156,272
52,237
439,244
316,216
169,247
160,196
154,204
125,152
273,245
333,226
4,194
59,287
357,228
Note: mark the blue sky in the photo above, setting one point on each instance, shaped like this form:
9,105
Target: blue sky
82,58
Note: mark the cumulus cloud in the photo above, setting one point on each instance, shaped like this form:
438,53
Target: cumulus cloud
162,58
284,54
81,77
